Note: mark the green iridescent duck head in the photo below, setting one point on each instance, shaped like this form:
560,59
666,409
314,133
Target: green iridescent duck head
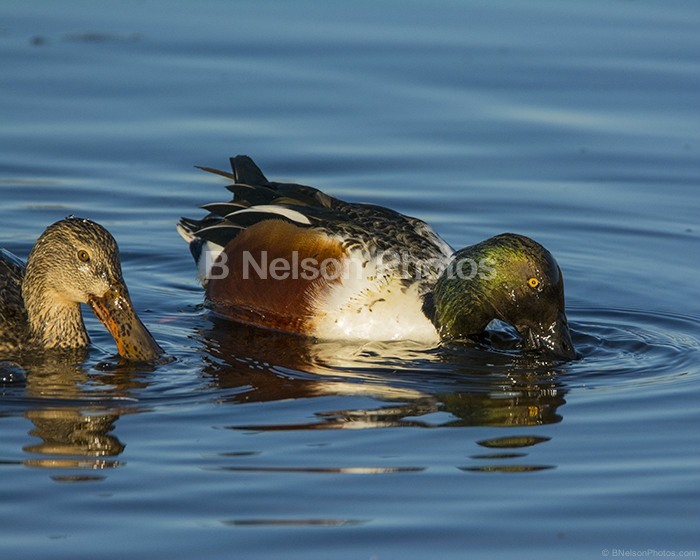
510,278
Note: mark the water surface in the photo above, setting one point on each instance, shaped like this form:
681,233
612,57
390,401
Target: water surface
573,122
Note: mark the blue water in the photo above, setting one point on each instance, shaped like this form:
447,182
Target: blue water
574,122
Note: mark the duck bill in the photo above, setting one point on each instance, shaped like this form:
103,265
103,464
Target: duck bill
550,338
115,312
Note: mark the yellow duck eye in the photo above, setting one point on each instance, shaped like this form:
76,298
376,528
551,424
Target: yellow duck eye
83,255
533,282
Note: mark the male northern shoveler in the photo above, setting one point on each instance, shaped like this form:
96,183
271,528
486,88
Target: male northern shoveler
290,257
74,261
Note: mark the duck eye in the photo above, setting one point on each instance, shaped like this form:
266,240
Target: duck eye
83,255
533,282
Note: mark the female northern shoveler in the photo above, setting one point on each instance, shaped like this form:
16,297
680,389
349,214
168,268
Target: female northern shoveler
74,261
290,257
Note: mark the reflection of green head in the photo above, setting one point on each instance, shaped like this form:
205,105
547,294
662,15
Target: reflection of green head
508,277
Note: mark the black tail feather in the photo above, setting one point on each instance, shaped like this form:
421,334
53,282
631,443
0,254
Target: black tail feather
246,171
216,172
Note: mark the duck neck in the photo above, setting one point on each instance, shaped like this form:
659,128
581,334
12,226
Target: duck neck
459,306
53,321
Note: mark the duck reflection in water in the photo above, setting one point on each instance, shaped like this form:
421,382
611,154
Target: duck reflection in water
470,385
73,427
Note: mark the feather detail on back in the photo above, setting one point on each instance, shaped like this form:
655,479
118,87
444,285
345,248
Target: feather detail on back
386,261
14,325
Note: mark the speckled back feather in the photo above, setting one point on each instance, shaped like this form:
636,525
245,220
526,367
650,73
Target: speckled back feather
14,325
372,229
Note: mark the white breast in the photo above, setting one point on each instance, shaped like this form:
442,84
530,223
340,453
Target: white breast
370,304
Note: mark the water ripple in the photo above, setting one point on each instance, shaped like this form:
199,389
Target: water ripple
631,345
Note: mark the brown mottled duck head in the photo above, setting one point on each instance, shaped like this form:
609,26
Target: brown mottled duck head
77,261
